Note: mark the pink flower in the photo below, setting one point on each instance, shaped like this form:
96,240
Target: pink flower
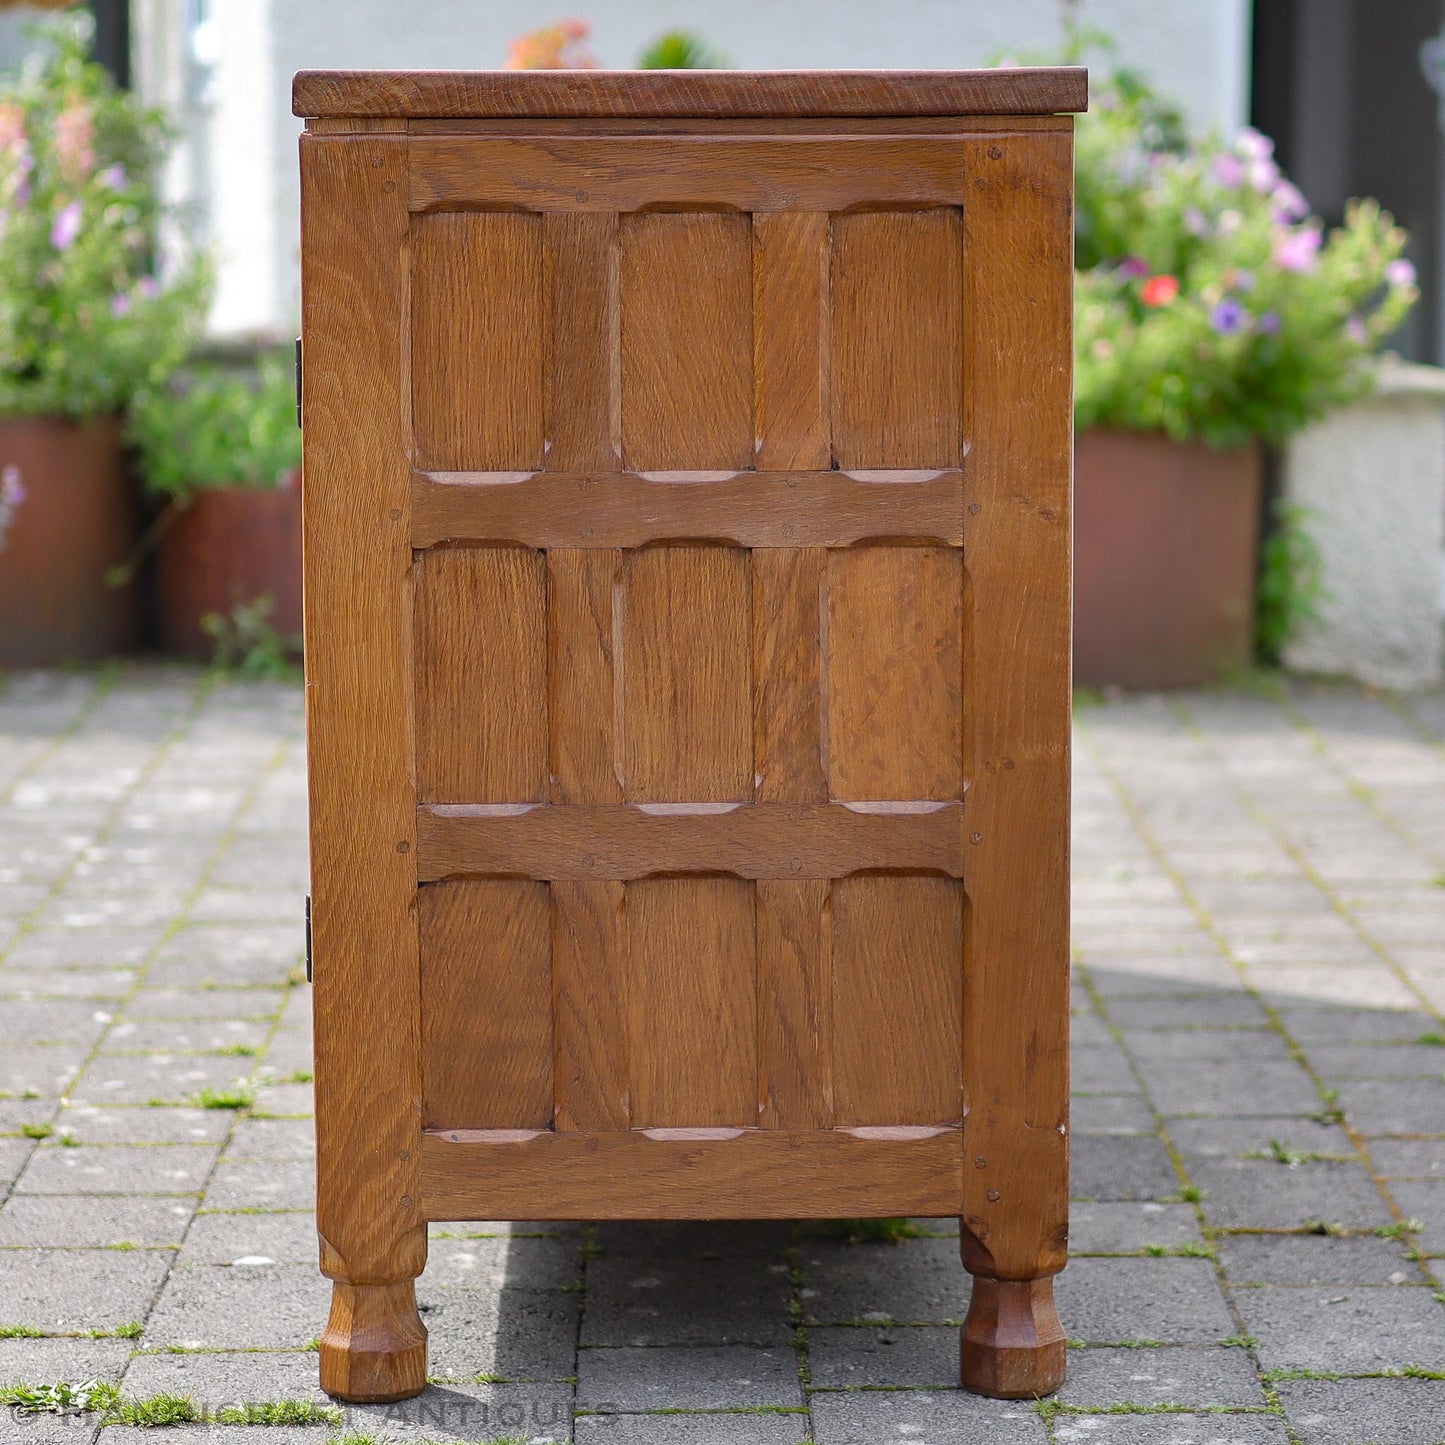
1289,202
1263,175
1400,273
66,227
114,177
1298,251
1252,145
148,287
120,305
1229,171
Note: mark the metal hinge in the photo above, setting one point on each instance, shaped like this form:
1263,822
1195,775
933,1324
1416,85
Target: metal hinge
308,938
298,381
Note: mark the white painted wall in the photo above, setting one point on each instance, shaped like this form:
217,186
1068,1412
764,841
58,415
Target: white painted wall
237,118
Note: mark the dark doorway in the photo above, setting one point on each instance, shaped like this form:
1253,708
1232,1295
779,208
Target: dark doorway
1340,87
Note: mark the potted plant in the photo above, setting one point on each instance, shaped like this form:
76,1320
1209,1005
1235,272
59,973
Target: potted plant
221,451
1213,316
86,319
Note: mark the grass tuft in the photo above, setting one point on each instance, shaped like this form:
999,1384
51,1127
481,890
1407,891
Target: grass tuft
20,1332
241,1095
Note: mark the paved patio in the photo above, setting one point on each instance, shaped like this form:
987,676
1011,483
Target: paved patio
1259,1122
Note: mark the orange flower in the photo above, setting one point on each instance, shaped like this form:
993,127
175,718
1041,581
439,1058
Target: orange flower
1159,290
552,48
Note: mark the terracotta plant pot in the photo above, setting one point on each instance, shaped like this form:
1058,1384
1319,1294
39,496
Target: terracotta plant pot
228,547
1166,541
78,519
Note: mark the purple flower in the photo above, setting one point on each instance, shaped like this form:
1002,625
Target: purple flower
120,304
1228,317
1263,175
114,177
66,227
1196,222
1132,268
1298,250
1400,273
1269,322
148,287
1229,171
1240,279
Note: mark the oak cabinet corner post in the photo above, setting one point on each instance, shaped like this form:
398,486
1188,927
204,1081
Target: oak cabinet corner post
687,547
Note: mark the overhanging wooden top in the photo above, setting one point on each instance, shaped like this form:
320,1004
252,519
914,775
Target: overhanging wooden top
716,94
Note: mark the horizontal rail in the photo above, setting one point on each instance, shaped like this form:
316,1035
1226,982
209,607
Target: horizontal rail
692,1174
631,173
631,509
621,841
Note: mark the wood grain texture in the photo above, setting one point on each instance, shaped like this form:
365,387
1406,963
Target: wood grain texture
687,384
745,509
1016,90
795,1003
486,985
894,699
685,175
684,729
477,341
481,675
373,1349
751,840
734,1174
358,663
897,999
584,388
589,1001
788,675
580,678
1016,707
790,339
692,1003
896,351
712,126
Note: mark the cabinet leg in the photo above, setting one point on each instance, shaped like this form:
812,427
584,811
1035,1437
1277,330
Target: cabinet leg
1013,1345
373,1349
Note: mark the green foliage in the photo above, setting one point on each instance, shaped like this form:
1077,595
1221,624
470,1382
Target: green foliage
37,1131
61,1398
279,1412
86,317
680,50
861,1231
215,427
1291,586
239,1096
20,1332
1209,303
247,644
159,1409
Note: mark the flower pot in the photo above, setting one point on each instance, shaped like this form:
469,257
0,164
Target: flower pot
77,519
227,547
1166,539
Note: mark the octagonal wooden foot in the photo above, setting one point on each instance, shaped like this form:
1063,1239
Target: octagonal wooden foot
1013,1346
373,1350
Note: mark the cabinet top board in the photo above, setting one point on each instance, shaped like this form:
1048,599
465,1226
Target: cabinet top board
710,94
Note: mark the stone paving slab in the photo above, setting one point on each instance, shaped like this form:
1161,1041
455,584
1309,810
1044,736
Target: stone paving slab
1259,1130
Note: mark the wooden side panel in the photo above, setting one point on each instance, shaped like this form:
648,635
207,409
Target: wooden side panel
790,312
787,675
894,698
897,292
478,318
580,675
358,647
795,1003
581,251
685,726
486,1005
897,1000
1016,679
687,341
481,675
692,1003
590,1005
